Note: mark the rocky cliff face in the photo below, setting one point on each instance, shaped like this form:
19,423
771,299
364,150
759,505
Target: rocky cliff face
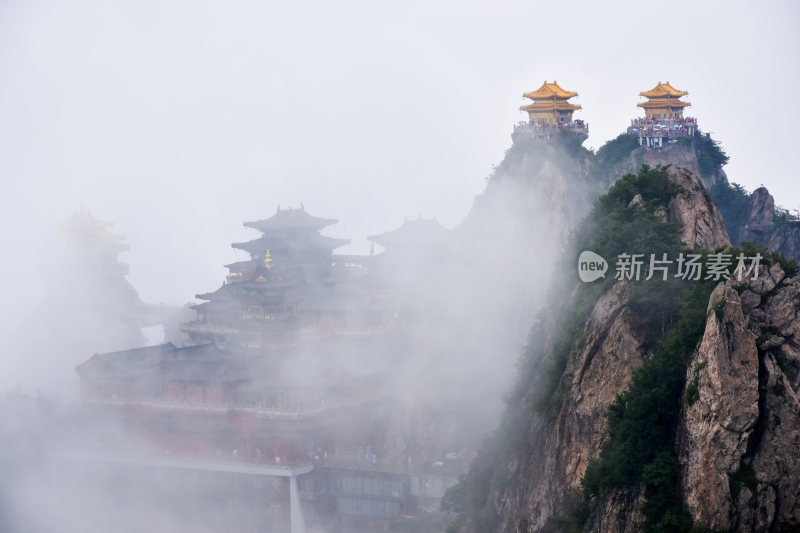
562,448
756,221
740,433
692,210
759,216
786,240
542,482
738,436
680,154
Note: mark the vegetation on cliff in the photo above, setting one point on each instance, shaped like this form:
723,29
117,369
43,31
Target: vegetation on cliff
628,219
732,200
615,226
710,155
668,317
616,151
640,449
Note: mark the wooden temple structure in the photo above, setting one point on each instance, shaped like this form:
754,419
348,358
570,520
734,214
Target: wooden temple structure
664,122
284,372
550,112
663,101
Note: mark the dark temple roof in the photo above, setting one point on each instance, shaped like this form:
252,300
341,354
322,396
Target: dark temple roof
312,241
139,361
290,219
201,363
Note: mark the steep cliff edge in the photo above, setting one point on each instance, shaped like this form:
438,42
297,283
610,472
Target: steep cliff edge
655,406
700,154
749,217
754,217
582,356
739,436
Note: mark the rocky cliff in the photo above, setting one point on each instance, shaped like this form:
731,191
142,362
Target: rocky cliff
739,437
692,210
699,154
628,413
754,217
759,217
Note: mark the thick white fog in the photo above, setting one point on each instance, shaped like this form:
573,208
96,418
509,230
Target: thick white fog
177,121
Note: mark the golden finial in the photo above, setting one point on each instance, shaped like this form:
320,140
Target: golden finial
267,261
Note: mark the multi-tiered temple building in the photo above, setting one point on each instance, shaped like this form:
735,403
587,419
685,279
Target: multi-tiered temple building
289,292
550,112
664,120
283,377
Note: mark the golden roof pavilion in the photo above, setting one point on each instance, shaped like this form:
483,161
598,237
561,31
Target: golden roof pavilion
550,104
663,101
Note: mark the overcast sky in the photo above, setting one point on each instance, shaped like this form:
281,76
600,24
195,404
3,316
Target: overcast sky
178,120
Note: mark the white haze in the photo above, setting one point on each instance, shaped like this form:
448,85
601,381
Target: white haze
177,121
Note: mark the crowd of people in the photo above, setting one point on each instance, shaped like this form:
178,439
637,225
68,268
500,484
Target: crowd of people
662,127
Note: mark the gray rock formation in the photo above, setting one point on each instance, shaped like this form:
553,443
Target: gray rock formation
740,439
693,211
786,240
679,154
561,450
546,479
759,218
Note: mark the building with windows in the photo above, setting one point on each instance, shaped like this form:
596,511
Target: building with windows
664,122
282,383
550,113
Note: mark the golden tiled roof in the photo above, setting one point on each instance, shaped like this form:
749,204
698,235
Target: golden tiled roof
663,89
663,103
552,105
549,91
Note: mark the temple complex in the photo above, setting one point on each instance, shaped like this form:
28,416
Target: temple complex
288,292
663,101
550,112
664,121
283,377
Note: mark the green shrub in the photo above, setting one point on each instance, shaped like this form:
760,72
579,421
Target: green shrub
616,151
750,249
732,200
643,420
692,393
671,316
710,157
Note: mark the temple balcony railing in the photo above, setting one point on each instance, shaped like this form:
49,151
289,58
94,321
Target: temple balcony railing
664,128
238,277
281,467
363,463
260,410
661,133
354,461
644,122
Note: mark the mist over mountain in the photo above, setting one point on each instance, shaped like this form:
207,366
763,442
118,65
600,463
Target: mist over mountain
357,389
649,405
